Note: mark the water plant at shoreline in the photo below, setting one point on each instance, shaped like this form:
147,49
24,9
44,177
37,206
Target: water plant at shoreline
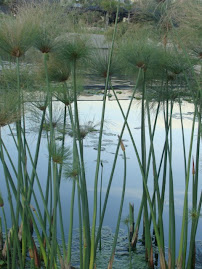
163,77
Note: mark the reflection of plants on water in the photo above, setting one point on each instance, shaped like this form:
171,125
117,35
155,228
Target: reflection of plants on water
163,76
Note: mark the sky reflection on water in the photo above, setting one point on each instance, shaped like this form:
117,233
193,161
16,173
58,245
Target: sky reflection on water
91,111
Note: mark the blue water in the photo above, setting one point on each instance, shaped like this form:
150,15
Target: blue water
91,111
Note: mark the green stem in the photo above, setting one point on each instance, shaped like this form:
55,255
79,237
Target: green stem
83,179
119,216
185,209
69,251
93,243
114,163
100,247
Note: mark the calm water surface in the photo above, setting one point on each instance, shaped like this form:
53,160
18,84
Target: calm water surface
91,111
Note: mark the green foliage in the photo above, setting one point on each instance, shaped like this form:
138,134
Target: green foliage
176,63
166,73
8,79
189,31
122,30
48,19
60,154
109,5
128,5
90,18
9,109
73,49
71,170
16,36
85,129
58,71
143,54
64,94
98,64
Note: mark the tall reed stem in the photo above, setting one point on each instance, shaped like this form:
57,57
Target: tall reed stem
120,211
93,243
185,209
115,159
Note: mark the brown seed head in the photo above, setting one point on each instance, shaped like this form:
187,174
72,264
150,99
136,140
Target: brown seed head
121,143
16,52
42,108
140,64
45,49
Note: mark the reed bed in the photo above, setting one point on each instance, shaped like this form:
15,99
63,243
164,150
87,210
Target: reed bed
163,70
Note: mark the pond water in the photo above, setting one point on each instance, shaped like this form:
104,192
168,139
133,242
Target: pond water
90,112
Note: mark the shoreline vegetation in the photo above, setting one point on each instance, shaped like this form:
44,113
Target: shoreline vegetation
45,53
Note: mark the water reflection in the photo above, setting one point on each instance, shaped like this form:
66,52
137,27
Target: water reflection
91,111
